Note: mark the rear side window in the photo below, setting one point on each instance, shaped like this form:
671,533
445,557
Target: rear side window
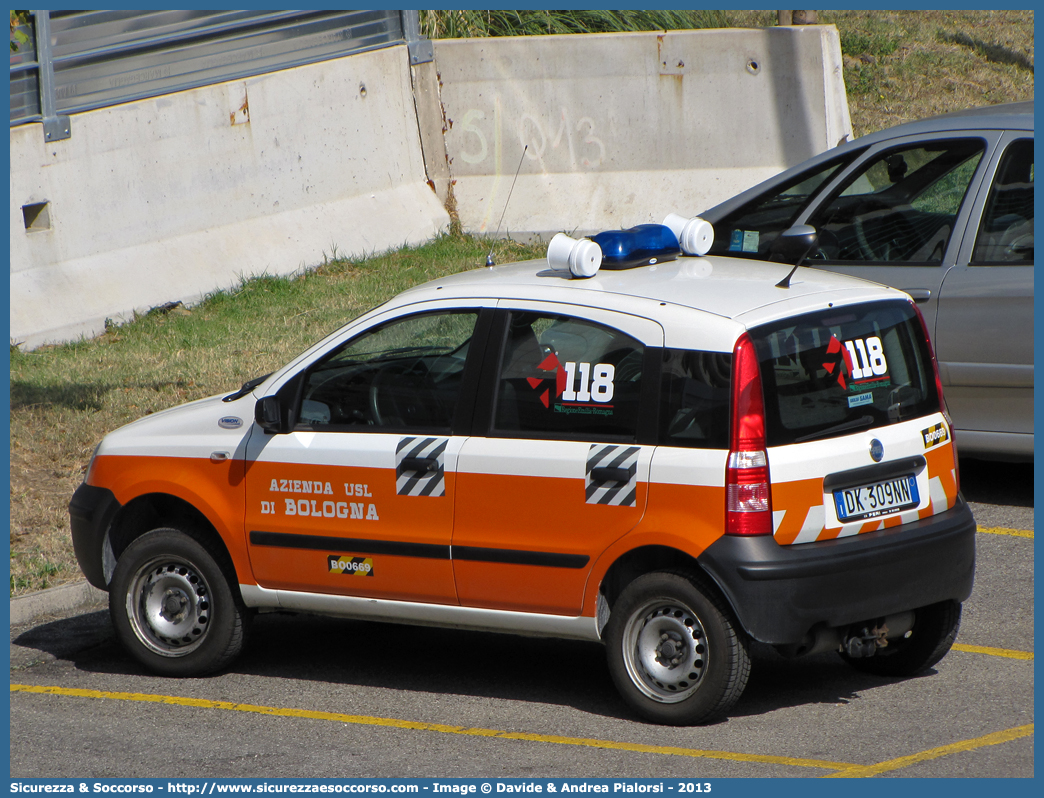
566,377
1006,234
842,370
694,399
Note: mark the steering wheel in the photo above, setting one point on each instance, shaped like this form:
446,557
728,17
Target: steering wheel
900,232
400,396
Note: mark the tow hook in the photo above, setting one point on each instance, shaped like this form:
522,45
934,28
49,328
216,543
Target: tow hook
864,639
866,642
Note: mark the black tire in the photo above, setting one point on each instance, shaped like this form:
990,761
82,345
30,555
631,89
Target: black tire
675,653
934,630
173,605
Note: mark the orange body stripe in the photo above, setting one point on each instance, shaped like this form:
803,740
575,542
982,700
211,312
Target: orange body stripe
796,498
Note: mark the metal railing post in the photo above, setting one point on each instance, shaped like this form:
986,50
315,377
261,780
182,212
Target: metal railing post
55,126
421,50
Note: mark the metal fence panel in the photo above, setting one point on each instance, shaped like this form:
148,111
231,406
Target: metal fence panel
103,58
25,80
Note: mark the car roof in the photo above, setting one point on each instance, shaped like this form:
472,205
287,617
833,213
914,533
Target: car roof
1005,116
701,302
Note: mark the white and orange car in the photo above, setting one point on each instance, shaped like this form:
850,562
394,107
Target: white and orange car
673,454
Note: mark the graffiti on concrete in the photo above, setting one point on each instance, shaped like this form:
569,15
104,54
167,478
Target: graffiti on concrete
557,144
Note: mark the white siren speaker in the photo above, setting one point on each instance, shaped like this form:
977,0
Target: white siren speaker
581,258
695,235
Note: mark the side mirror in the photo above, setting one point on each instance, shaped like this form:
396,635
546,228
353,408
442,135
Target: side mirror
795,244
268,413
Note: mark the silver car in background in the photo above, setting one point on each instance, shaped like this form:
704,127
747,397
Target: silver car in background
941,208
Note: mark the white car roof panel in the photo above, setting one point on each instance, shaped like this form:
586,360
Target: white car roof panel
728,294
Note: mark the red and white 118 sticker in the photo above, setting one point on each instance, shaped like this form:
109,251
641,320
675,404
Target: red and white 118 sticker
864,359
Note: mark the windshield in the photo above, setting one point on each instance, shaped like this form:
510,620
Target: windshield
841,370
750,230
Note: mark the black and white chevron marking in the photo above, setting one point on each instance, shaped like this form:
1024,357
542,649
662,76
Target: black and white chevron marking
619,494
416,482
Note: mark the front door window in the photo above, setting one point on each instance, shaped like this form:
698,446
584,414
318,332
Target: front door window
901,207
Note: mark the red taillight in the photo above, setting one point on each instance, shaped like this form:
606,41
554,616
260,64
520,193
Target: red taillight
748,505
939,391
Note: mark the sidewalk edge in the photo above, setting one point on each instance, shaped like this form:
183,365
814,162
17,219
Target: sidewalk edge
27,608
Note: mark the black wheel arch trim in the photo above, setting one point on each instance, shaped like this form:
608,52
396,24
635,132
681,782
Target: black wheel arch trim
91,513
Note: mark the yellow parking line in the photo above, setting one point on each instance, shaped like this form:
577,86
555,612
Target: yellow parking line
934,753
994,652
365,720
1000,530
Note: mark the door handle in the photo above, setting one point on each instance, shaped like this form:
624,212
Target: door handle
422,464
919,294
610,474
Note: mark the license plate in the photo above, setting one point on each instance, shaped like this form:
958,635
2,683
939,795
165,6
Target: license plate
877,498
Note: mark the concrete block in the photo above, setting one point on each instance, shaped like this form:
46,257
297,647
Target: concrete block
172,197
621,129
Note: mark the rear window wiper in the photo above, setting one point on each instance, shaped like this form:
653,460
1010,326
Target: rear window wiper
845,426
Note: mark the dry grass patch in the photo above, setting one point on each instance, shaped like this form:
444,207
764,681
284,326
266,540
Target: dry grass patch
905,65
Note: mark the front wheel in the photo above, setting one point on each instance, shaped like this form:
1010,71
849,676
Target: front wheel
934,630
173,607
675,654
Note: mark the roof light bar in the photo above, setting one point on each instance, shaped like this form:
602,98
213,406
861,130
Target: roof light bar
580,258
695,235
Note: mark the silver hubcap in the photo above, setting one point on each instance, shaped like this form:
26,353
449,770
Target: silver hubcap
665,650
169,606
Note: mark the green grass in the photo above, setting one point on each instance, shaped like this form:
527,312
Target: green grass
36,572
904,65
478,23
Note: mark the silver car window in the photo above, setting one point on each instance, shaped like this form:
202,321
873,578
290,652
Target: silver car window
901,207
1005,235
403,375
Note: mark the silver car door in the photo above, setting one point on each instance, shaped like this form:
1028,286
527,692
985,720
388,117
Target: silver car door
984,329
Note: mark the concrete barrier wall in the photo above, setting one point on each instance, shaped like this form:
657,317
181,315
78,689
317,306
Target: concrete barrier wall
172,197
623,129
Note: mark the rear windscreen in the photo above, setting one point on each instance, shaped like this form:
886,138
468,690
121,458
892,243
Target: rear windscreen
841,370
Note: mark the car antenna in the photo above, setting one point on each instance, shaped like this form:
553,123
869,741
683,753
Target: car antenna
489,258
785,282
810,234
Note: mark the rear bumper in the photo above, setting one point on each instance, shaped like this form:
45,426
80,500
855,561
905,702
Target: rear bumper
780,593
91,511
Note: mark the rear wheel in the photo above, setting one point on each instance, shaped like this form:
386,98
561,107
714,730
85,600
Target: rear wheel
934,630
675,654
173,606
